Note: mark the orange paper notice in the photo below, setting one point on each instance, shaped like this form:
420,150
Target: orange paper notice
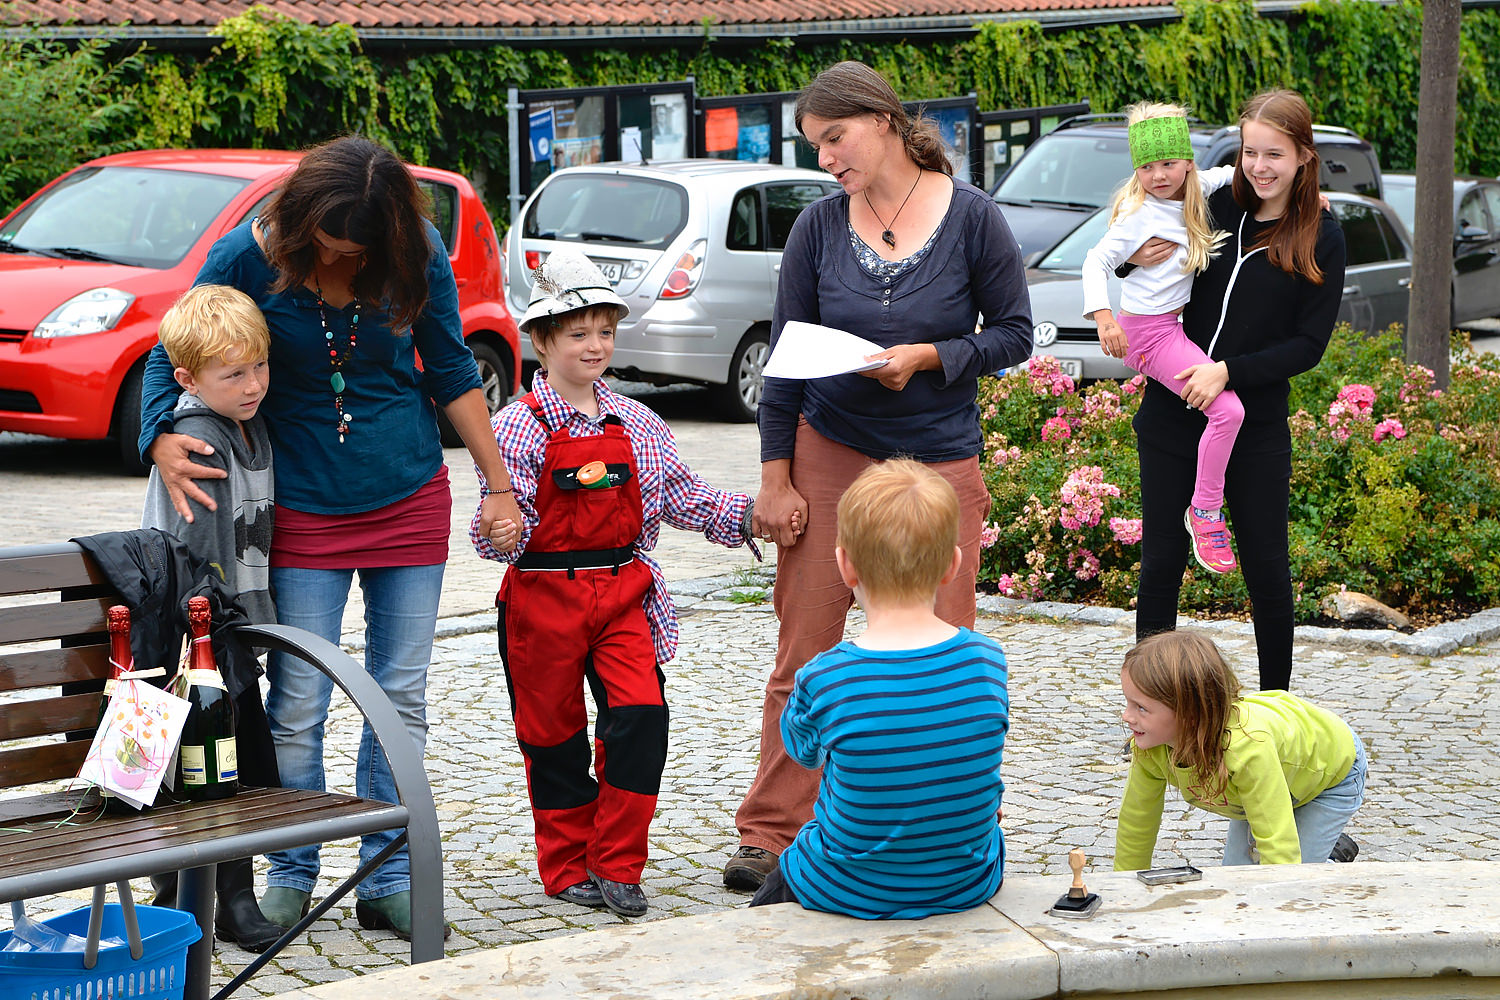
721,129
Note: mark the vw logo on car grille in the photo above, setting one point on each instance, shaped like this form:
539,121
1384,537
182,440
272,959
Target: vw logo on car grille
1044,334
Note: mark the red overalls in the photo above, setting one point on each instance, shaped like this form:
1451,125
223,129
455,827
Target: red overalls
571,609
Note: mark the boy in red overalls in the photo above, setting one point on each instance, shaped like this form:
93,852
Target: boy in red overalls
594,474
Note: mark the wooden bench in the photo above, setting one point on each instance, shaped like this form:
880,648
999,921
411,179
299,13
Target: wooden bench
52,631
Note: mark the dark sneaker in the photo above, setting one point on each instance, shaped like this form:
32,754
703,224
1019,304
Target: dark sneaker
1344,849
585,893
624,898
746,871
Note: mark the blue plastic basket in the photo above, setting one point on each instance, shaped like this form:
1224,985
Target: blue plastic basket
160,974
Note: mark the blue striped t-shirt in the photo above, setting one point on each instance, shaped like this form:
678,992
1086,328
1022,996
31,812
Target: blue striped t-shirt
910,744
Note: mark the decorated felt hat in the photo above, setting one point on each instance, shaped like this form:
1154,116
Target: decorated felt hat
567,281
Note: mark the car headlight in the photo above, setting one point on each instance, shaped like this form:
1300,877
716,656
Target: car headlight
93,311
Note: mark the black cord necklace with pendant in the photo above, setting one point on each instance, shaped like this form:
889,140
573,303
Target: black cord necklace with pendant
336,360
886,236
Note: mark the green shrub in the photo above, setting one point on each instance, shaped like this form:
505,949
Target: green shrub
1395,487
58,107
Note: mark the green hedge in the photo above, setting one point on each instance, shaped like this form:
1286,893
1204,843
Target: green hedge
275,82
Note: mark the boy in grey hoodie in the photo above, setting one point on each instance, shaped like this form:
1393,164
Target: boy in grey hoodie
218,341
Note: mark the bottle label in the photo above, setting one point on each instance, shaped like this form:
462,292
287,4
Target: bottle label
194,769
206,678
228,760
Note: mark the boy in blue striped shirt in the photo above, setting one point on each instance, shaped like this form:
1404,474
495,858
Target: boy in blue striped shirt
907,721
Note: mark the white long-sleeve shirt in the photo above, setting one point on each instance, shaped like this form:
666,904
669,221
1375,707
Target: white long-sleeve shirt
1160,288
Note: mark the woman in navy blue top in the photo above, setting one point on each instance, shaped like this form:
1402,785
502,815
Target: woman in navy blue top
354,284
923,264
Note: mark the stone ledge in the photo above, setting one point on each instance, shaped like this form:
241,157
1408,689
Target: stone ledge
1237,926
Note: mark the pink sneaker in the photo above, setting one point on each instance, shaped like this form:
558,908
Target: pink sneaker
1211,544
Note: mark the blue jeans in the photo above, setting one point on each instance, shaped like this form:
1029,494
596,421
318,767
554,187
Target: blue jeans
1320,820
401,605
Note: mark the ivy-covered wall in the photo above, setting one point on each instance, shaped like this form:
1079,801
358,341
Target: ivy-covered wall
273,82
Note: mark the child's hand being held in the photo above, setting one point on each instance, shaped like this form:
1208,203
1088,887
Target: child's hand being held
504,535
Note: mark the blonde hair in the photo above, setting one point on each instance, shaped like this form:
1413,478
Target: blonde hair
898,526
208,322
1187,673
1203,239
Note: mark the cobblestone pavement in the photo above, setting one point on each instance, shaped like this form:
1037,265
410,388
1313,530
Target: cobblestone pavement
1433,794
1434,787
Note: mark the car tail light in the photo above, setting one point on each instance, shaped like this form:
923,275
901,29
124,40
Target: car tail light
533,260
684,276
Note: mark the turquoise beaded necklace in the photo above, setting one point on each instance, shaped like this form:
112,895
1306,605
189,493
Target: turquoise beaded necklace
336,360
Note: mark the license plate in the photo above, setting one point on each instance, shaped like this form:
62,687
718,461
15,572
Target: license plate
612,269
1071,367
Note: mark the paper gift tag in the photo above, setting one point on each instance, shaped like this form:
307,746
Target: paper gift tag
132,751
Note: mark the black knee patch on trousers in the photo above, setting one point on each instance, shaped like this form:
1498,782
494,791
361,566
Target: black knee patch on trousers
560,774
635,747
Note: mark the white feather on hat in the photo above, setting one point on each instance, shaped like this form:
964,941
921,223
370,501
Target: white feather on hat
567,281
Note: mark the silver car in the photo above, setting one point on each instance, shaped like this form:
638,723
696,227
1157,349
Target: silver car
1377,285
693,246
1476,241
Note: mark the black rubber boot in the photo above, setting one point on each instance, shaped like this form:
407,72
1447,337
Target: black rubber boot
165,885
237,918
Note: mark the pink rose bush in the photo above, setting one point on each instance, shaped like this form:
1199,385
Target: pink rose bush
1395,488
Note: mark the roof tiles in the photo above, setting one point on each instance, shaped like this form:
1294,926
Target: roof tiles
430,14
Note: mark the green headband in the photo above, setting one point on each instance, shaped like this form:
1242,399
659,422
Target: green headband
1159,139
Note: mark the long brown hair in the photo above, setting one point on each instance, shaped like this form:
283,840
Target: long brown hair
1187,673
357,190
849,89
1292,243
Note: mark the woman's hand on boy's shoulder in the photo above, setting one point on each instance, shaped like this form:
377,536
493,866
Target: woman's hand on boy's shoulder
172,456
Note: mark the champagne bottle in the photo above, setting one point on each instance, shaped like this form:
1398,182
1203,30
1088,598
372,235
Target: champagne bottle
120,662
209,765
119,653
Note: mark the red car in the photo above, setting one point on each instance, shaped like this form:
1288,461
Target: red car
89,264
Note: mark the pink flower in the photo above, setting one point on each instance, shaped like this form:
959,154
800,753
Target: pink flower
1006,585
1085,564
1104,403
1389,427
989,534
1003,456
1127,530
1047,378
1133,386
1359,397
1419,380
1056,429
1083,496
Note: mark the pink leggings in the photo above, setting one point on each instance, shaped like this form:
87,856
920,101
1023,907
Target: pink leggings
1159,349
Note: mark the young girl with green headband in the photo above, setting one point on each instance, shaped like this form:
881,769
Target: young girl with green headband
1166,196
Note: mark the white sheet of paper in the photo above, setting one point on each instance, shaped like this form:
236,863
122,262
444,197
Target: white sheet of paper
807,350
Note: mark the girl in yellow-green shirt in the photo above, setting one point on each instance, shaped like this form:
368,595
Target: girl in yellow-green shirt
1287,773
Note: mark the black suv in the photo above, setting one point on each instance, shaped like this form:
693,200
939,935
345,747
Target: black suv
1073,170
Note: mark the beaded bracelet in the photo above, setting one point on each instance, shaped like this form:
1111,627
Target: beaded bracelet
487,492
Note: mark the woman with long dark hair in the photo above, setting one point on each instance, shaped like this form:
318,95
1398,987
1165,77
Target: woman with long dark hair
354,282
909,257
